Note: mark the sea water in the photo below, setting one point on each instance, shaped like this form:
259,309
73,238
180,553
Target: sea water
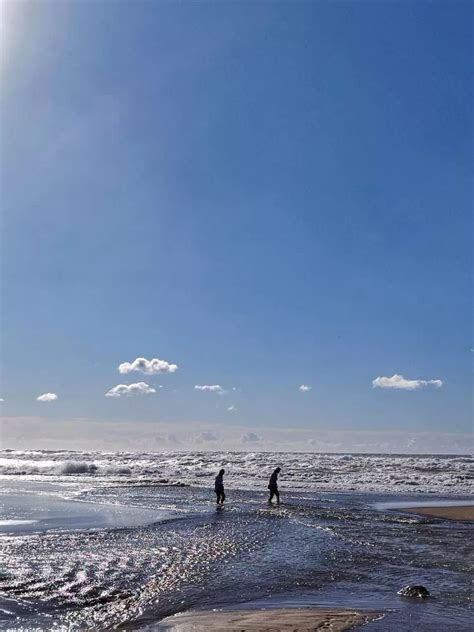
95,540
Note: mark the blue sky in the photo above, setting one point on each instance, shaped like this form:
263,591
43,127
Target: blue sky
264,194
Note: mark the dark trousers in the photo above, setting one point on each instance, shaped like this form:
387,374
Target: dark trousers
220,494
274,492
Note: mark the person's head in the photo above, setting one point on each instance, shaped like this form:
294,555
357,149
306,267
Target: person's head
278,470
221,472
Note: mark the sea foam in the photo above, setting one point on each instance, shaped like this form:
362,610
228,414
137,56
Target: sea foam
312,472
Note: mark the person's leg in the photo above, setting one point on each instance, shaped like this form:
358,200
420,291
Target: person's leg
277,494
218,496
271,496
222,497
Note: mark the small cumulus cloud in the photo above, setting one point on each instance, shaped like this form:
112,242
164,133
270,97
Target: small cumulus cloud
211,388
47,397
232,408
304,388
140,388
1,399
399,382
149,367
250,437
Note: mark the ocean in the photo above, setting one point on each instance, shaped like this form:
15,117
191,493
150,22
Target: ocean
94,540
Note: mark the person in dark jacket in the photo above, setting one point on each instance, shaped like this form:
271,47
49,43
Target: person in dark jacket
219,487
273,485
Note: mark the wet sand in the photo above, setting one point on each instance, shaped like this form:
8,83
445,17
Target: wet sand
460,512
271,620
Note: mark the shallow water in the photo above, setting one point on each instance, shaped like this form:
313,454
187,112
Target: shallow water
41,508
331,549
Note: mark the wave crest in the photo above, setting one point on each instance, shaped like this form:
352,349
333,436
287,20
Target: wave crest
77,467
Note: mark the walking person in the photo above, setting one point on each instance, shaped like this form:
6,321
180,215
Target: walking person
273,486
219,487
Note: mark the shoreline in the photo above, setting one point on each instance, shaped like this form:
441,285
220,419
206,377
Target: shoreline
453,512
269,620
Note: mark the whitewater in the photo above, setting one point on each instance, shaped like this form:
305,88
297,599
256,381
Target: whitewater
247,470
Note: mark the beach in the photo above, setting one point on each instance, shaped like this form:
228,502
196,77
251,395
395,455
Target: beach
236,316
134,541
272,620
459,512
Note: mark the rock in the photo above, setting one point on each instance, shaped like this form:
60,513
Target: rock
419,592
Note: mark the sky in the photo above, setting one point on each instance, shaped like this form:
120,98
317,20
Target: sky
236,224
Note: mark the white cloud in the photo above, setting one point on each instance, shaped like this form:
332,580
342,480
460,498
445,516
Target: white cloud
304,388
47,397
250,437
399,382
140,388
147,366
1,399
212,388
232,408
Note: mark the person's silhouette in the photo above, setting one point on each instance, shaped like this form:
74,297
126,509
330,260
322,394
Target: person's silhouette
219,487
273,485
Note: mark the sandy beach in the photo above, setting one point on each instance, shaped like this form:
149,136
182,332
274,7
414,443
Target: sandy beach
460,512
271,620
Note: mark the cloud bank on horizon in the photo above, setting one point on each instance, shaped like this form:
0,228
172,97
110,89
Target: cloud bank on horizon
251,437
399,382
80,434
206,437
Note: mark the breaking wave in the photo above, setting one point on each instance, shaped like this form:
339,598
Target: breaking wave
325,472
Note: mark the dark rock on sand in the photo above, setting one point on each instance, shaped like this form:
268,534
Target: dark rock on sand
419,592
